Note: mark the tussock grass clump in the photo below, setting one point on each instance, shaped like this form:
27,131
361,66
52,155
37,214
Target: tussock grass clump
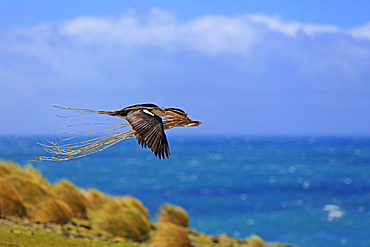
10,201
52,210
30,191
125,217
68,193
170,235
94,199
25,192
255,241
132,202
36,175
173,214
7,168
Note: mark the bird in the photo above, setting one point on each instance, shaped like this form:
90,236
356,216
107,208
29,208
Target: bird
148,122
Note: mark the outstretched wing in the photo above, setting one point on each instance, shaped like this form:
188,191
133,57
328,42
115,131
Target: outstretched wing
149,131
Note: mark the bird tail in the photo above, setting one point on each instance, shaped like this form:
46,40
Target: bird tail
83,111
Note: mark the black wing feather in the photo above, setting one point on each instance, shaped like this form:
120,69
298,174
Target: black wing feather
149,132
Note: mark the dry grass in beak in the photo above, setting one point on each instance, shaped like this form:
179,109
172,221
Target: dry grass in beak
66,149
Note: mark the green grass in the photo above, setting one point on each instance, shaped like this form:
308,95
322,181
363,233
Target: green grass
11,236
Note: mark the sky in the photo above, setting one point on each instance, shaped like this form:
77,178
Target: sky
242,67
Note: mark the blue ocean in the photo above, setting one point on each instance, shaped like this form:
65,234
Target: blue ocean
307,191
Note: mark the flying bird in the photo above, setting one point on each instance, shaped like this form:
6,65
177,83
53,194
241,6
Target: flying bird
148,122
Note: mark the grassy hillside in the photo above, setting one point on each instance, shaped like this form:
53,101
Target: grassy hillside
34,212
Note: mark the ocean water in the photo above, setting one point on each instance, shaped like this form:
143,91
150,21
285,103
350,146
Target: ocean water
307,191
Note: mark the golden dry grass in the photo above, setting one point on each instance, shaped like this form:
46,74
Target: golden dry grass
52,210
125,217
7,168
36,175
173,214
94,199
68,193
24,192
255,241
132,202
30,191
10,201
170,235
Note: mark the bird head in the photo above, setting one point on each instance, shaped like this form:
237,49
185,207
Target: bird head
178,118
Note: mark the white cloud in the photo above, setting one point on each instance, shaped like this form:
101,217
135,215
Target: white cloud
71,48
362,32
157,29
87,42
291,28
275,24
208,34
261,63
211,35
86,27
219,34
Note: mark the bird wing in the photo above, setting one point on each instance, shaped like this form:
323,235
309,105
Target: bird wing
149,131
